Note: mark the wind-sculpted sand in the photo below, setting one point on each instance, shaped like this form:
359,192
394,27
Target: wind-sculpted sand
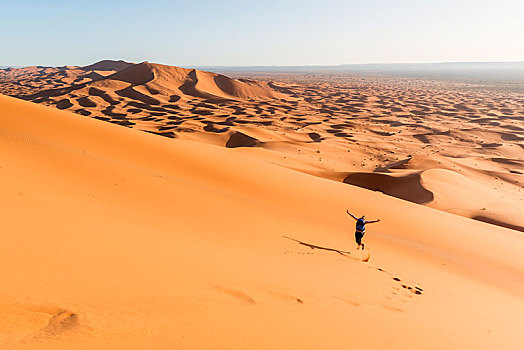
30,80
224,225
454,147
116,238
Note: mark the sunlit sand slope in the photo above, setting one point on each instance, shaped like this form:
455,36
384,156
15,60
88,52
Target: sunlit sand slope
448,145
115,238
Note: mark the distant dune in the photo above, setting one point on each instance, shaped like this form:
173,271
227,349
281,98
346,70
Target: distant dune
30,80
497,76
167,80
108,65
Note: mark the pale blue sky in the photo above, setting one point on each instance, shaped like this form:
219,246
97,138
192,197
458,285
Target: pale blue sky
205,33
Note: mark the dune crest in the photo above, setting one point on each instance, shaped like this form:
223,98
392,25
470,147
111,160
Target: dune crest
169,80
108,65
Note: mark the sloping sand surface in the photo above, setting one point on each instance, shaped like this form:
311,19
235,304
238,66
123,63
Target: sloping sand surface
402,137
115,238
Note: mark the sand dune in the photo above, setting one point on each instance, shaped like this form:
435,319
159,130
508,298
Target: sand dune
108,65
112,237
446,190
382,134
471,199
154,83
31,80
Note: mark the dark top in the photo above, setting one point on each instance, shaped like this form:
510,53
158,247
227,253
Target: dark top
361,225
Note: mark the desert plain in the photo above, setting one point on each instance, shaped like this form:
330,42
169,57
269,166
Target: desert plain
152,206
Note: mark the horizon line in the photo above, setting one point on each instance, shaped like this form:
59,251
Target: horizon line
283,66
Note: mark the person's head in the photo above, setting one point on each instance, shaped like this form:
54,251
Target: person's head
363,217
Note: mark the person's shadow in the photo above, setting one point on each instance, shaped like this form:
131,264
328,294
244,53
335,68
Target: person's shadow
365,257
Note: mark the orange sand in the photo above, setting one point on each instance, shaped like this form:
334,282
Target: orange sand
116,238
449,146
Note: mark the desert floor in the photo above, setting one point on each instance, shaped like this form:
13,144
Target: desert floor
208,230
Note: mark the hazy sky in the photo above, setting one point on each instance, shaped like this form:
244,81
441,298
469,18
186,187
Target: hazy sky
204,33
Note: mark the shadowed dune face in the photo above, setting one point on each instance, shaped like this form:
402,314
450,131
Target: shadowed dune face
499,223
408,187
138,74
366,131
239,139
108,65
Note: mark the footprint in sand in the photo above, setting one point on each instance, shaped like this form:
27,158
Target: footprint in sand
33,322
236,294
62,321
415,290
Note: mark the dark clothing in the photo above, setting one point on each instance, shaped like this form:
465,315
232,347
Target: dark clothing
358,237
360,228
361,225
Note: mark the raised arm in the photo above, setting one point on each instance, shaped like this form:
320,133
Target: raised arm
372,221
353,216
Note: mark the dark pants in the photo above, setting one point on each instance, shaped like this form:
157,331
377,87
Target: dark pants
358,237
